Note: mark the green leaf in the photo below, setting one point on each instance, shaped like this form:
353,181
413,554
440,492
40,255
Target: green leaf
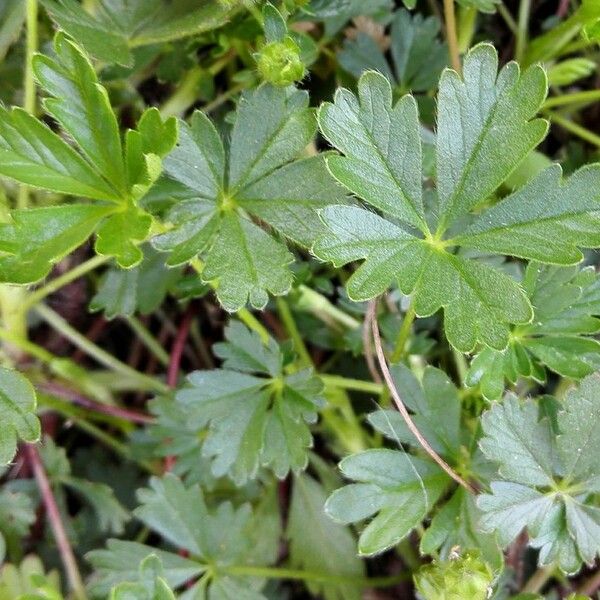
256,177
38,238
566,302
12,17
484,6
17,515
215,538
436,405
545,482
485,129
151,584
397,487
17,413
33,154
141,289
318,544
118,26
253,420
82,108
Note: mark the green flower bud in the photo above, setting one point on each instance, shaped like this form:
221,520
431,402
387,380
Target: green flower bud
464,577
279,62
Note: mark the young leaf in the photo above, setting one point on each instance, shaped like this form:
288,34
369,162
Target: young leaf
272,127
318,544
151,584
257,415
17,413
396,487
545,481
566,303
214,538
485,130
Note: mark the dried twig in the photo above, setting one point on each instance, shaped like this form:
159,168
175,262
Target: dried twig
372,318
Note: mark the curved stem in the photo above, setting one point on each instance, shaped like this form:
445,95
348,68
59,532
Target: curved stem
578,130
539,579
451,35
372,316
148,340
55,284
292,329
356,385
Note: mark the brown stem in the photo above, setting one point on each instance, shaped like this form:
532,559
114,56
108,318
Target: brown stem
372,317
590,586
178,347
53,513
451,35
368,352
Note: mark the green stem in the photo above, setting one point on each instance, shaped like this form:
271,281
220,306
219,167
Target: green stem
148,340
103,357
357,385
461,365
222,98
55,284
31,21
403,335
522,29
586,97
282,573
29,347
451,36
508,18
290,325
322,308
578,130
539,579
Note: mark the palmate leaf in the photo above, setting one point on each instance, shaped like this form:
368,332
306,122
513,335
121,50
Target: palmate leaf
118,26
417,54
545,481
254,177
17,413
566,304
103,168
485,128
256,415
214,538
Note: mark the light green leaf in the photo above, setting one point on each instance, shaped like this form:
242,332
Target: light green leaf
566,302
395,486
253,420
82,108
17,413
545,481
40,237
318,544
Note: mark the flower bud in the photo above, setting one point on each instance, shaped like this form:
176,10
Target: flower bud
279,63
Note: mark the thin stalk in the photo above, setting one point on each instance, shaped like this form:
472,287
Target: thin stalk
243,314
103,357
58,282
578,130
451,35
508,18
356,385
590,586
372,316
178,347
522,29
287,318
31,45
461,364
27,346
296,574
148,340
403,335
586,97
321,307
538,580
222,98
58,529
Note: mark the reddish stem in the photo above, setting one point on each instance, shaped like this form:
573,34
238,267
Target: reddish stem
53,514
115,411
